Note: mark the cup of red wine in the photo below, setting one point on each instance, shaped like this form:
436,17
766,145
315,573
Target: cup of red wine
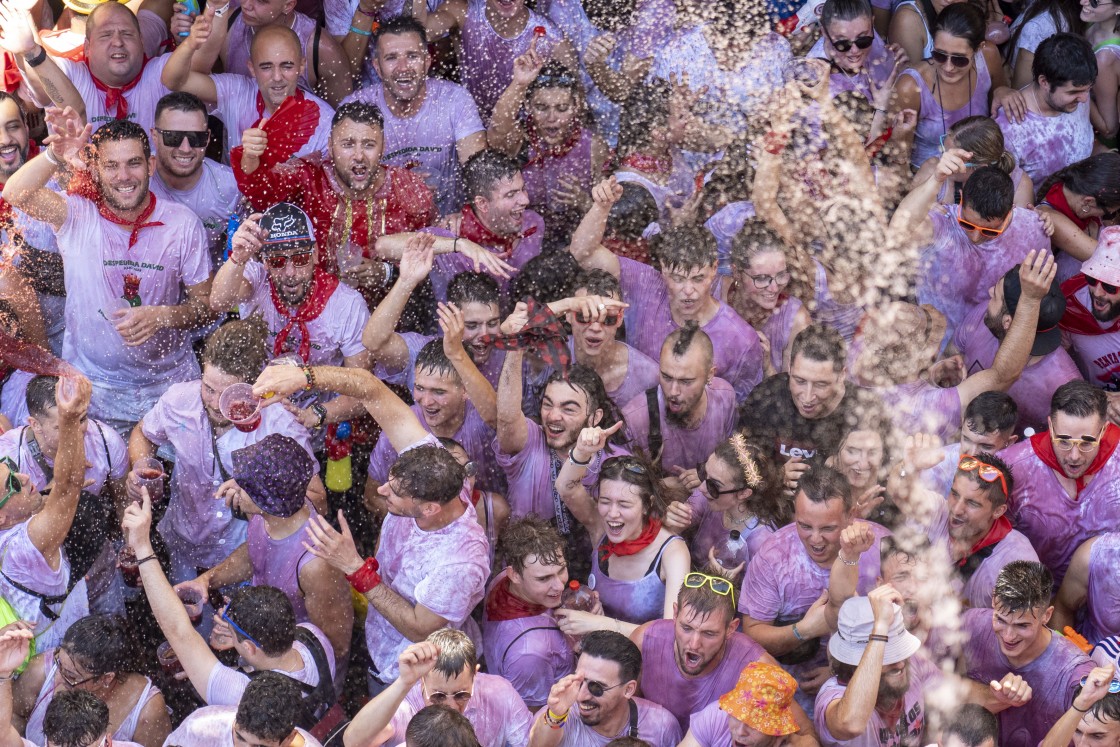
192,602
130,569
241,407
149,473
168,659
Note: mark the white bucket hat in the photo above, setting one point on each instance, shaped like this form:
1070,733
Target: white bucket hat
854,626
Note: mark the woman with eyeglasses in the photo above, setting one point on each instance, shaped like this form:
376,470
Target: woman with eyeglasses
982,137
96,655
637,566
541,118
1078,199
963,77
1103,17
1040,20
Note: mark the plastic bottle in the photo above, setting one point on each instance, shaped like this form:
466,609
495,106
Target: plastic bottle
576,597
730,552
340,476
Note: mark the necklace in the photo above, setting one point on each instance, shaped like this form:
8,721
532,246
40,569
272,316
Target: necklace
940,103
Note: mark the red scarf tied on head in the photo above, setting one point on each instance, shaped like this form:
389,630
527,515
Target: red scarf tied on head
1044,448
630,547
114,97
471,228
323,285
503,604
648,164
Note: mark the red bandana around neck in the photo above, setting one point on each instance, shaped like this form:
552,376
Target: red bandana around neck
503,604
114,97
471,228
649,164
1056,198
323,285
1044,448
540,151
298,96
1001,527
1078,319
630,547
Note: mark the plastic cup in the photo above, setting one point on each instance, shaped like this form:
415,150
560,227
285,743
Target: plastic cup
192,602
149,472
168,659
349,257
130,569
241,407
110,309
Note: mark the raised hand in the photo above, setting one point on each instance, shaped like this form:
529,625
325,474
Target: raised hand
1037,273
517,320
72,393
15,646
599,49
1095,688
452,325
606,193
417,259
592,440
527,67
18,34
592,309
248,239
856,539
678,517
417,660
922,451
201,29
564,693
953,161
337,548
137,524
885,602
69,136
484,260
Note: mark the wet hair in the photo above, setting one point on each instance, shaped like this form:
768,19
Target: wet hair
584,379
456,652
530,537
100,644
1064,14
40,395
556,75
120,130
844,10
398,26
973,725
640,473
702,602
1064,58
270,707
645,110
822,484
753,239
627,742
911,552
599,283
684,248
181,101
821,343
238,348
989,192
993,490
359,112
483,171
473,287
631,215
265,613
440,726
961,21
1079,399
991,412
611,646
1096,176
983,138
5,96
432,360
428,474
1023,585
683,339
1106,709
546,277
75,718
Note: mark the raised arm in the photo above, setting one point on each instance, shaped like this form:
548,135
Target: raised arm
1067,236
15,647
27,188
505,132
356,43
230,287
513,431
392,246
46,79
479,391
855,539
372,724
911,221
178,74
380,336
336,80
587,240
1097,684
443,20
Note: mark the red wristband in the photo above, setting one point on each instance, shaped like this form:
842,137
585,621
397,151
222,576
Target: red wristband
366,577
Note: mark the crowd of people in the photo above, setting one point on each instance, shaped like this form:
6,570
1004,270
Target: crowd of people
493,373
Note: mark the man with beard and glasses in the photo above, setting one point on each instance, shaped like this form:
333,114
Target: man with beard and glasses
432,551
1092,319
689,661
183,172
136,268
694,411
1056,131
1067,479
431,124
597,703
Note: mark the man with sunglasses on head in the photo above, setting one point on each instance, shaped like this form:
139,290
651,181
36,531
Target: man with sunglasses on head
1093,718
598,703
185,175
689,661
1067,479
1092,319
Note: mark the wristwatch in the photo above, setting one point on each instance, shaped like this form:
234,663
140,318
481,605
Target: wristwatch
219,12
321,412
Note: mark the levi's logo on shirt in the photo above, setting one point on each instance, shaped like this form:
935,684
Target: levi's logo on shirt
789,451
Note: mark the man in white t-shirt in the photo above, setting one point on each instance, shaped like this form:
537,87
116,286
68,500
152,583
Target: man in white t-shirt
136,268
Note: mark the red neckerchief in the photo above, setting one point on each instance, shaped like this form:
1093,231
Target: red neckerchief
540,151
1001,527
1056,198
1044,448
1079,319
11,76
635,249
323,285
891,717
82,184
649,164
630,547
298,95
503,604
114,97
471,228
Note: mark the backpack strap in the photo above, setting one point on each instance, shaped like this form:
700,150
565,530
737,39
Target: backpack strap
520,635
655,440
105,443
315,51
633,731
322,695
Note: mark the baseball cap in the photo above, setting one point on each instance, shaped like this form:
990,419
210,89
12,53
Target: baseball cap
855,624
288,228
1053,308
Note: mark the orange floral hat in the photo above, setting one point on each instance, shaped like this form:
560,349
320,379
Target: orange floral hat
762,699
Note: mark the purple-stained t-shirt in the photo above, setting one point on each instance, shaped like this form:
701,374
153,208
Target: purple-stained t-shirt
954,274
278,562
1052,677
738,355
683,447
406,377
426,140
642,373
13,397
473,435
1055,523
1104,588
921,407
1036,385
226,684
495,710
663,683
544,173
21,562
444,569
655,725
709,727
939,479
637,601
1044,145
724,225
212,726
1098,356
530,652
911,725
711,532
448,266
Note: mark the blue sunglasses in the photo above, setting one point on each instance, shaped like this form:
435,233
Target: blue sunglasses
239,630
1113,687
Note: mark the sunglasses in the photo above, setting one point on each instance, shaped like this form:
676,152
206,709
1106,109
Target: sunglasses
630,464
718,584
279,261
441,698
1097,4
1106,287
597,689
1065,443
958,60
967,165
1114,686
239,630
843,45
609,320
985,472
762,282
174,138
990,233
712,485
14,485
62,672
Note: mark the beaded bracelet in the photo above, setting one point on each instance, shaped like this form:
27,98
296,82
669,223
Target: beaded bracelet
554,721
310,376
142,561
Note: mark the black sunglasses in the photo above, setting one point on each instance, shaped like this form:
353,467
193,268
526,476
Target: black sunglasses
843,45
609,320
174,138
713,487
958,60
1095,4
1093,283
598,688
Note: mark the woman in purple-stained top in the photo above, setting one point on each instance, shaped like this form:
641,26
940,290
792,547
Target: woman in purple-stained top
863,458
982,137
